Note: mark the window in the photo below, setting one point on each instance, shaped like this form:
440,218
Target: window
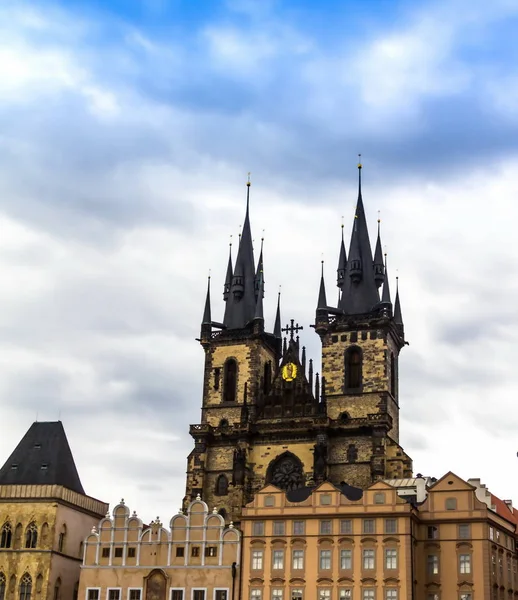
256,594
325,527
198,595
31,535
369,526
211,551
278,559
325,499
491,533
180,551
195,551
368,595
258,528
346,594
114,594
220,594
346,526
132,552
118,552
217,374
277,594
353,368
432,532
379,498
390,525
105,552
464,531
267,381
62,538
92,594
134,594
390,594
279,527
299,527
390,558
324,594
392,375
296,594
257,560
230,382
451,503
298,559
368,559
221,485
325,559
3,583
465,596
346,557
6,536
269,501
465,563
432,564
177,594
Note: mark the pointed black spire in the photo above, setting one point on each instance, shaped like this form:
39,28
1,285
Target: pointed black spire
259,274
259,314
322,301
385,296
277,327
398,317
228,278
359,290
342,262
207,320
379,271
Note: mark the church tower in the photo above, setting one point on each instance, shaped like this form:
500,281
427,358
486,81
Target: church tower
266,416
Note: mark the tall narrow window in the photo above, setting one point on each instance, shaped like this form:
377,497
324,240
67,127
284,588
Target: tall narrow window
25,587
221,485
267,377
353,368
230,383
31,535
392,375
3,585
57,589
6,536
62,538
217,374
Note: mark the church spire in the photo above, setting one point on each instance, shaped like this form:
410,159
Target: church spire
207,320
342,263
359,289
379,271
277,327
398,317
322,301
259,313
228,278
385,297
259,274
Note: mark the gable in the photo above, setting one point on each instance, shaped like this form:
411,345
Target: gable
451,483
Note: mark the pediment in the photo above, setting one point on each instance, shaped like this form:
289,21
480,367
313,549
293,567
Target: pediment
451,483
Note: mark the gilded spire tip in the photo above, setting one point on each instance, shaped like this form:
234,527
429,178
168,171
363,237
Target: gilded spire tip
359,161
248,182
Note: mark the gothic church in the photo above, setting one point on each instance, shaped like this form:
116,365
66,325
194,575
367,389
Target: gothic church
266,417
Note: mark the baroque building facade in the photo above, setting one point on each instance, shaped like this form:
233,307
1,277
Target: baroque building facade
44,518
266,416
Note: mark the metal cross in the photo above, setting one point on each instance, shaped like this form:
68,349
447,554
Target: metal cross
291,329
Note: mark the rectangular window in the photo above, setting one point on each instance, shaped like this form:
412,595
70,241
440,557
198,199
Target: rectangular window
432,532
92,594
195,551
211,551
390,525
220,594
131,552
324,594
134,595
176,594
346,559
299,527
390,558
258,528
106,553
491,533
346,594
368,595
279,527
114,594
465,563
277,594
390,594
325,527
325,499
180,551
256,594
432,564
296,594
198,594
298,559
464,531
368,559
118,552
257,560
325,559
369,526
278,559
346,526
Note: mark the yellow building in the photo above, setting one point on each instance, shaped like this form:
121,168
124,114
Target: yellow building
198,558
44,517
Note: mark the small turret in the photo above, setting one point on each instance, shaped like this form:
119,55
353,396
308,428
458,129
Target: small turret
398,317
207,320
277,327
379,270
342,263
228,278
259,274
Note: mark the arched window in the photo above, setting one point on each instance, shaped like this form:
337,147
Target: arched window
392,375
31,535
230,381
39,583
267,377
26,587
353,368
62,538
221,485
3,585
6,537
57,589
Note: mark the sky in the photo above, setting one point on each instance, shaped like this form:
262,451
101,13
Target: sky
127,129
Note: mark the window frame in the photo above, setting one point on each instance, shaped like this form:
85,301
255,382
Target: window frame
393,521
325,527
258,528
349,558
303,528
199,589
176,589
320,559
260,552
113,589
221,589
279,527
293,567
276,552
93,589
393,558
464,563
367,559
364,526
135,589
346,529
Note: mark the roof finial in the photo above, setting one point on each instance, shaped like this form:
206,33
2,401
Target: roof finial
359,175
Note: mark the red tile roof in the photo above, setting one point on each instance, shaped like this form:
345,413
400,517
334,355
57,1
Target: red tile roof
503,510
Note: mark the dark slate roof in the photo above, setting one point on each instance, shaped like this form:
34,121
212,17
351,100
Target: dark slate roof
43,457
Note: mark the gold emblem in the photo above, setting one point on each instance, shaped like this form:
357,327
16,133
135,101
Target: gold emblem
289,371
